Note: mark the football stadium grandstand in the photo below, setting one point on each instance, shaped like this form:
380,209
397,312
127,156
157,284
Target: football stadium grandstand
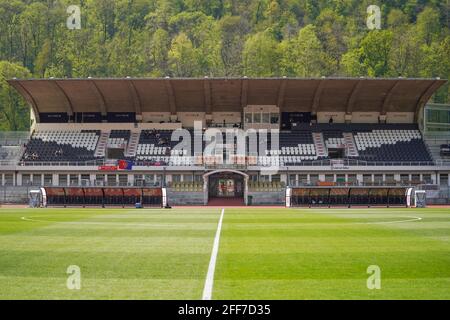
178,141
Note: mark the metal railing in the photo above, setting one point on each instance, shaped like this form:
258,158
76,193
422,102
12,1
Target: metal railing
60,163
319,163
418,184
14,138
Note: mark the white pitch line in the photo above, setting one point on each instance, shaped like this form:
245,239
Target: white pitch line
207,291
412,218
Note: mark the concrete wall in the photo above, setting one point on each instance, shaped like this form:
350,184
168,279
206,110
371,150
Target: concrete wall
197,198
185,198
268,198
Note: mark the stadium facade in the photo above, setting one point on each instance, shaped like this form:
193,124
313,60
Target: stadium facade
329,141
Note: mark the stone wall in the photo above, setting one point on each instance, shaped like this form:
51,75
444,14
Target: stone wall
185,198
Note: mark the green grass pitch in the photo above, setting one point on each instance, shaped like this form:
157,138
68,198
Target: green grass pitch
263,253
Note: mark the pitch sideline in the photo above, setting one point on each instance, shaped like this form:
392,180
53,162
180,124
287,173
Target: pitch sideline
209,281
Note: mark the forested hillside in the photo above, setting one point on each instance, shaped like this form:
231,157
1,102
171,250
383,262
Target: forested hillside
195,38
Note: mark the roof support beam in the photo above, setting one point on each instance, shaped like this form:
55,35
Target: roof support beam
244,92
353,96
388,98
69,105
29,98
135,97
317,95
100,97
171,97
207,92
425,96
281,91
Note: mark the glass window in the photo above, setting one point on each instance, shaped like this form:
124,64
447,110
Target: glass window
367,178
314,178
257,117
438,116
292,178
48,179
443,178
248,118
276,178
149,179
73,179
111,179
427,178
9,179
404,177
266,117
329,177
340,178
303,178
198,178
100,179
62,179
176,178
85,180
274,118
378,179
26,179
390,179
123,179
352,178
138,180
37,179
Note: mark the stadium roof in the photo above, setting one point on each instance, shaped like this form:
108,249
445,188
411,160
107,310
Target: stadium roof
226,94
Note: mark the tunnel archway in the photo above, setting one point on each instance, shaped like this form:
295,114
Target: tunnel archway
225,186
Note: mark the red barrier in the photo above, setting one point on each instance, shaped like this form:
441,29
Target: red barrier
113,191
94,192
152,192
54,191
132,192
75,192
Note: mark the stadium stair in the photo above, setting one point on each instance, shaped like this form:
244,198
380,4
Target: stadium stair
100,151
132,145
352,150
321,150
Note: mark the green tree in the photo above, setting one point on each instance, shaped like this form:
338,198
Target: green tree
428,26
14,112
43,59
260,56
396,18
351,64
406,54
375,52
233,30
304,56
183,57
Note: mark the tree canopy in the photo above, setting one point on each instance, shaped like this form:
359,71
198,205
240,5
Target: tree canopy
196,38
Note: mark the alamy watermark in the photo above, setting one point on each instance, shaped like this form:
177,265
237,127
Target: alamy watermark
373,20
74,279
374,280
229,146
74,20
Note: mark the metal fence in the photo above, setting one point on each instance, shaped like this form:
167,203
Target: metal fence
15,195
315,163
14,138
